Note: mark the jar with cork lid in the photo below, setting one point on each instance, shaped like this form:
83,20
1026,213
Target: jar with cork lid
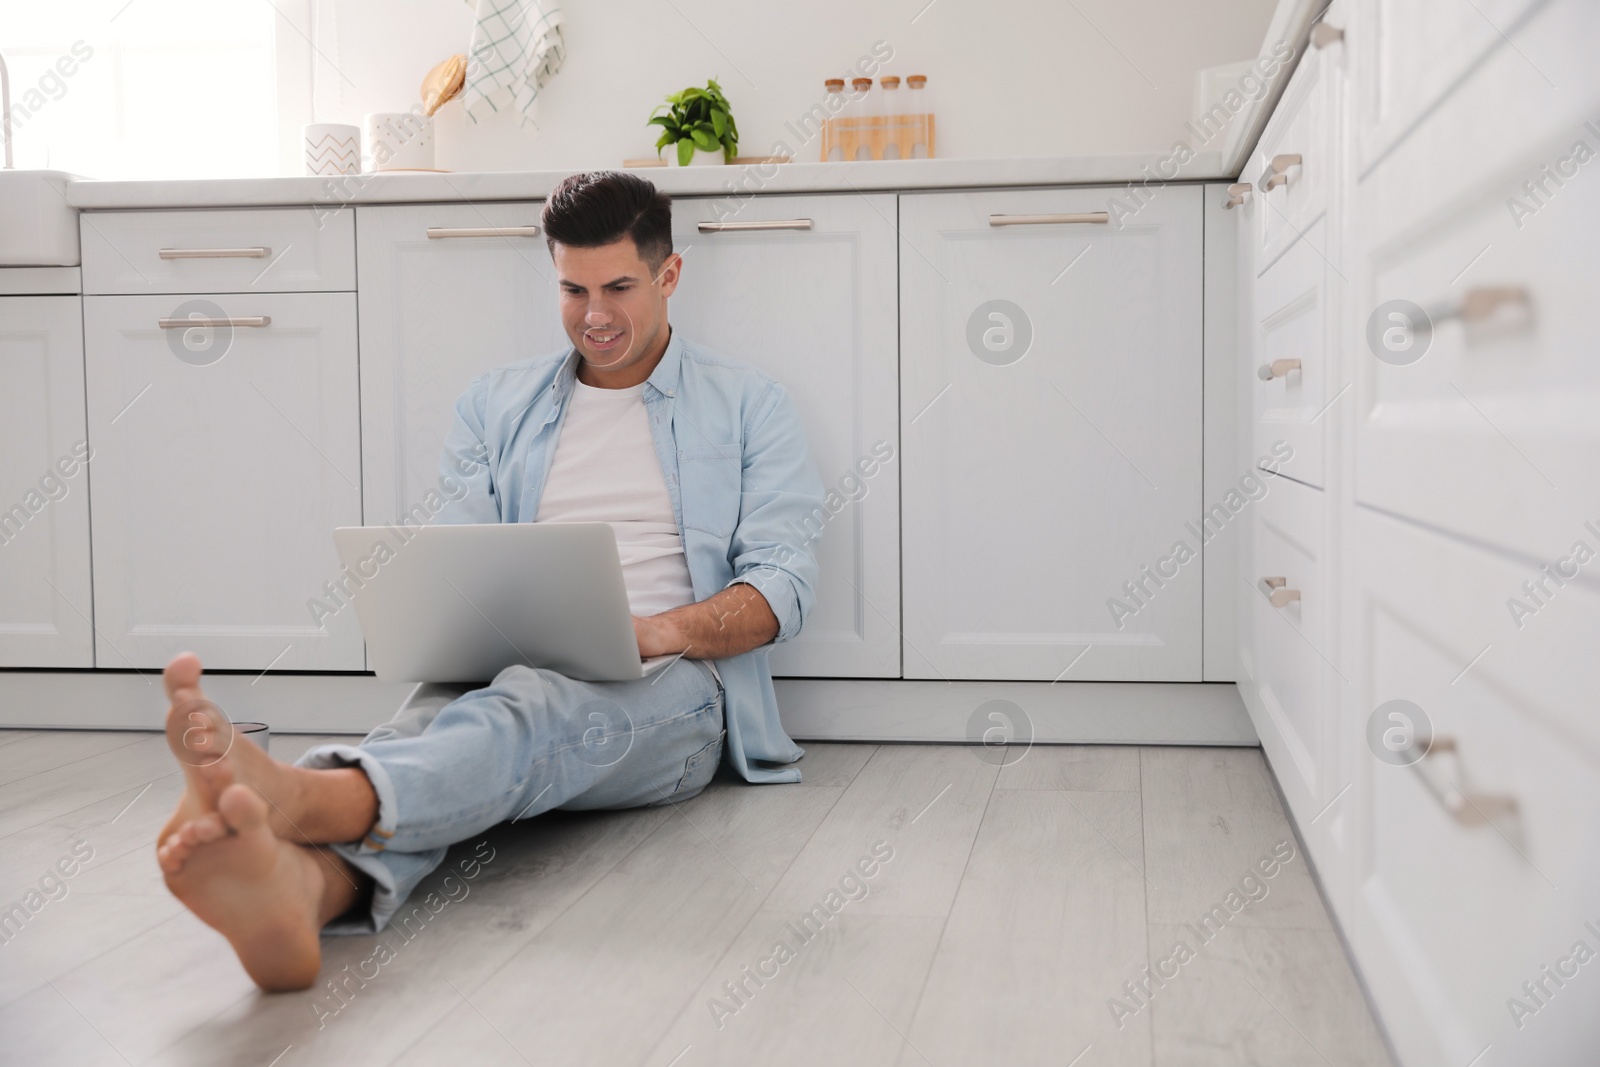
866,109
917,104
893,115
836,104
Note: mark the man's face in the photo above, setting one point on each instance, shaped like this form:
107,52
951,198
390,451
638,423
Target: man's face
614,308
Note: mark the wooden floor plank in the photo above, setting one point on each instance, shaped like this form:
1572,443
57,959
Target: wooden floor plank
10,736
48,750
922,801
41,797
839,991
647,934
833,765
1258,995
1080,768
1048,922
1210,817
150,990
43,1028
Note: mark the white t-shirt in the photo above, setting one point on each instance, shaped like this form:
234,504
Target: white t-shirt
605,469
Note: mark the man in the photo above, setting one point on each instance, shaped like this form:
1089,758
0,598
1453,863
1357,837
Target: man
700,465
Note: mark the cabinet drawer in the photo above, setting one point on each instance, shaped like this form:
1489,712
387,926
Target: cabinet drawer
1292,636
1492,432
1292,323
1521,110
262,250
1435,631
1303,125
1410,53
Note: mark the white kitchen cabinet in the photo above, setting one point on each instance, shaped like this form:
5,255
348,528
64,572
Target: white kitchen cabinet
1293,370
1444,471
815,308
437,311
223,459
45,602
1051,435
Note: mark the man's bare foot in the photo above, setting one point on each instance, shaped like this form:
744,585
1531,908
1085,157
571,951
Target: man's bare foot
303,805
263,894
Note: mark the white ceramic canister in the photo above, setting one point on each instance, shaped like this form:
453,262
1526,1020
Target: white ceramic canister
399,140
332,148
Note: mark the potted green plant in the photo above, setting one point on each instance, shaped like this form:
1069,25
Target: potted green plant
700,123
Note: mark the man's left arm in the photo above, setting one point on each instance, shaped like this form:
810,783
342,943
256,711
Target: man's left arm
772,549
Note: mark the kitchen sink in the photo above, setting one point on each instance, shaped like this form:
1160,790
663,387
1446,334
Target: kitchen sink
38,228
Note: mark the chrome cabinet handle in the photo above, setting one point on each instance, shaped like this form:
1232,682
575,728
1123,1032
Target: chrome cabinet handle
253,321
437,232
1278,368
1092,217
1322,35
1277,172
1277,592
1466,808
1237,193
214,253
777,224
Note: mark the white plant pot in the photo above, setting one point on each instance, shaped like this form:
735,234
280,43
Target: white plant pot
701,157
332,148
399,140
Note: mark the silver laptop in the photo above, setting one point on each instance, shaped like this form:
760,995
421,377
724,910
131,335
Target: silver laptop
459,603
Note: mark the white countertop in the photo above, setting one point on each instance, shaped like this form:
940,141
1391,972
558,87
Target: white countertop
677,181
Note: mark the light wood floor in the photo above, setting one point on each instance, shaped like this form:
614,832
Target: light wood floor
1017,902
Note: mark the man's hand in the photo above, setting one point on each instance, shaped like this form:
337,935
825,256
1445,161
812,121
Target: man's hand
730,623
657,635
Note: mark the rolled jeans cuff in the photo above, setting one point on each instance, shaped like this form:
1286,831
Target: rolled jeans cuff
326,757
390,886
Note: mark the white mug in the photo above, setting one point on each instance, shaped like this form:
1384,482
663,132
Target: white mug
332,148
399,140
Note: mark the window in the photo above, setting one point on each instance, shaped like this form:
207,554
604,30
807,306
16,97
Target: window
145,88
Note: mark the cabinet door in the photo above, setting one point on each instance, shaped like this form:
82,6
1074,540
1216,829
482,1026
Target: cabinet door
815,308
223,459
1050,424
435,313
44,490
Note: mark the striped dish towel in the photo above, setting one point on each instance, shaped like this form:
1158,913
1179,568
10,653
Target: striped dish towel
516,47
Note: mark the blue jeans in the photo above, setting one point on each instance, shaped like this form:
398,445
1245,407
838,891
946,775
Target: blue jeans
454,762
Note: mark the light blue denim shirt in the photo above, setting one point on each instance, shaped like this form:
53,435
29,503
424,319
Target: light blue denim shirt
742,484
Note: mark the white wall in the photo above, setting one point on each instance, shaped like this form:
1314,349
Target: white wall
1007,78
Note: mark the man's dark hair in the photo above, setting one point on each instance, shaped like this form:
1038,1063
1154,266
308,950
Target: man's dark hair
597,207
